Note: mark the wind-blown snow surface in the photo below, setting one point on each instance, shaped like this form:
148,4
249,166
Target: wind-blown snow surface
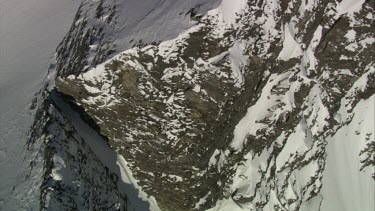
343,179
29,33
115,26
152,20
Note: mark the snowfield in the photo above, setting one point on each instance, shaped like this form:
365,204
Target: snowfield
29,33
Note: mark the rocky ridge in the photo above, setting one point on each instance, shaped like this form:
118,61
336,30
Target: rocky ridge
235,112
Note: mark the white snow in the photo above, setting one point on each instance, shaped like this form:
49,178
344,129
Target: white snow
229,9
58,165
238,61
350,35
369,16
30,30
291,48
297,144
197,88
152,20
96,74
350,6
345,187
249,124
227,205
202,200
367,41
176,178
307,6
309,56
127,177
91,89
342,180
213,159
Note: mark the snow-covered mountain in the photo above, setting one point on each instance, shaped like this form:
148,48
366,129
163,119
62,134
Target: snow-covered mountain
210,105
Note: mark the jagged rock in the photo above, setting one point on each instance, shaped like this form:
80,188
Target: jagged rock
236,112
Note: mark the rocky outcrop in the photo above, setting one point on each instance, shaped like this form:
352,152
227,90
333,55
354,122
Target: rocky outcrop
73,176
235,112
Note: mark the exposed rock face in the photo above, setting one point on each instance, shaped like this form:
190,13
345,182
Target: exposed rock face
73,177
235,112
80,171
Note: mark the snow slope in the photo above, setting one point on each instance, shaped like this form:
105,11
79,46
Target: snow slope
29,33
343,178
104,28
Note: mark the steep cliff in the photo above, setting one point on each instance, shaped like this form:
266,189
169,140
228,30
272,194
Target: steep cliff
252,105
